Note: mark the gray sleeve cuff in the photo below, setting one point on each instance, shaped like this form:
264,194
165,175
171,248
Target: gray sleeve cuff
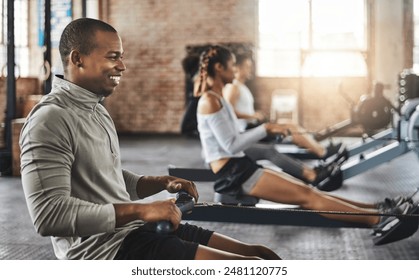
131,180
100,219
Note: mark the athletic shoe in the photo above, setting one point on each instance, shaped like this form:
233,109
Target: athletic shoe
333,149
395,228
332,182
323,172
389,203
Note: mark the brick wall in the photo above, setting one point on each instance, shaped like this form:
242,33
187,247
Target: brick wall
151,95
155,33
25,89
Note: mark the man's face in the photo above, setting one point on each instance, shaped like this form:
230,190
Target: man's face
102,69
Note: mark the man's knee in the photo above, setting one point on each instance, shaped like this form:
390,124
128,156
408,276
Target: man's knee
264,252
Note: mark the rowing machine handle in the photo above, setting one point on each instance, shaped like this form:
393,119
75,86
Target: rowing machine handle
185,203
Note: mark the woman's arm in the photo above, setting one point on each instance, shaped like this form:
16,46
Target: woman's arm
223,126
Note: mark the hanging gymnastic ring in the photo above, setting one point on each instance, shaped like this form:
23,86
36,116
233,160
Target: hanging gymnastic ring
45,71
4,70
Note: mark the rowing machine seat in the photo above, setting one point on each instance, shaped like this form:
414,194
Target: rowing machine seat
241,200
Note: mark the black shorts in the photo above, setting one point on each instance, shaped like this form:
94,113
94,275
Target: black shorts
232,176
145,244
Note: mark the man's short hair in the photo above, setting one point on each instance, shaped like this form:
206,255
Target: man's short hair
78,35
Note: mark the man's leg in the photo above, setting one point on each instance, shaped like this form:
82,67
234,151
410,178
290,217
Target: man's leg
224,247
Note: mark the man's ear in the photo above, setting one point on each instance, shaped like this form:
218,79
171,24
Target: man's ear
76,59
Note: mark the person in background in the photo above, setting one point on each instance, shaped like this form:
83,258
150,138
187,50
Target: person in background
75,187
263,150
241,98
223,145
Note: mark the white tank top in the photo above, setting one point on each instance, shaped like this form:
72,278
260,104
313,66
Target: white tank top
245,104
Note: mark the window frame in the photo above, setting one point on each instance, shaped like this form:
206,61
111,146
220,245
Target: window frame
310,50
21,25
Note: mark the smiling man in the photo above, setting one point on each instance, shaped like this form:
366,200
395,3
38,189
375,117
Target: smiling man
75,187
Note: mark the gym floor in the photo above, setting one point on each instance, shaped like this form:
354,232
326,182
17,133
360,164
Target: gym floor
151,155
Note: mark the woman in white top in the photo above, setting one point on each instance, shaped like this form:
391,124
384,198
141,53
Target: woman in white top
239,95
241,98
223,146
317,176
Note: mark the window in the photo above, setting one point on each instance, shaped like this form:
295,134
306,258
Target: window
416,36
21,37
92,9
312,38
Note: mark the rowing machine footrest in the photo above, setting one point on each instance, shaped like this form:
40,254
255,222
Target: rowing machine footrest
245,200
406,227
333,182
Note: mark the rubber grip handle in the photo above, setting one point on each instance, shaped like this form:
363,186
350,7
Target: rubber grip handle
185,203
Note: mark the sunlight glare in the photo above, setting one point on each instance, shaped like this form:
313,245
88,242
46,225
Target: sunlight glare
334,41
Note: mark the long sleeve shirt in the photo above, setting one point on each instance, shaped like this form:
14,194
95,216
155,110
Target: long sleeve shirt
71,173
